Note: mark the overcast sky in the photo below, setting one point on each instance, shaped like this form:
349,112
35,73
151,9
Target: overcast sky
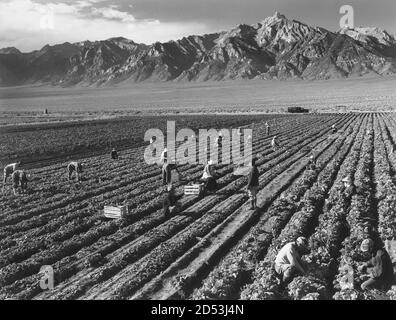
30,24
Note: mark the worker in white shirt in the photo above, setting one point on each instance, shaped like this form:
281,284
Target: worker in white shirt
9,170
275,143
209,178
288,260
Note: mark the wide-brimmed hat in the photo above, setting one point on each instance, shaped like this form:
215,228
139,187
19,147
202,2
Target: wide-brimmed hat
346,179
210,162
302,242
366,245
170,187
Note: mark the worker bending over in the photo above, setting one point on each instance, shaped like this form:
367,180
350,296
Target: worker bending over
114,154
74,167
288,260
8,171
19,179
311,163
275,143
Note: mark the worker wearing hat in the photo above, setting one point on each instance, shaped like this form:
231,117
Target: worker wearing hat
349,188
379,267
311,163
288,260
274,143
209,178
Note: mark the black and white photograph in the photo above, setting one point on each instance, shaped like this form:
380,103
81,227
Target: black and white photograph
205,153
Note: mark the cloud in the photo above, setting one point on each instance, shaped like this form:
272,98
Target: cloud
29,24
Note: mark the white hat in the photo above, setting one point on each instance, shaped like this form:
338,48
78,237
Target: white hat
302,241
346,179
366,245
210,162
165,150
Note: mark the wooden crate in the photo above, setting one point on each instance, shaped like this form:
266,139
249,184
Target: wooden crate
193,189
115,212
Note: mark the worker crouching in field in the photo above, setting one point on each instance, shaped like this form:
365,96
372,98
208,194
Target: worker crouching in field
114,154
348,188
288,261
253,184
9,170
311,163
76,168
19,179
170,204
379,267
333,129
275,143
209,178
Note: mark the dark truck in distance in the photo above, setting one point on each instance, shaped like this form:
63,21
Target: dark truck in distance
297,110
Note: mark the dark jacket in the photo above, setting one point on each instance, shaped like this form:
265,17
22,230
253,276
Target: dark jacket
381,266
114,154
169,200
253,177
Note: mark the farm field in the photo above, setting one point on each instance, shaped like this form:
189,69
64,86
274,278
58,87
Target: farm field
216,247
26,104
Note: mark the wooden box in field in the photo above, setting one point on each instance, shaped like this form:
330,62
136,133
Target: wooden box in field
193,189
115,212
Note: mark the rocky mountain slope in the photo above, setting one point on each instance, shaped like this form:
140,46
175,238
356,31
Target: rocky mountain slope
276,48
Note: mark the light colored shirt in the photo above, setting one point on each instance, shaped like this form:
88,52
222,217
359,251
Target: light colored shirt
164,155
207,172
287,255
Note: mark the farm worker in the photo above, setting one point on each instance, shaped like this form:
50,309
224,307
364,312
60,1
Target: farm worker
239,132
253,184
311,163
219,140
288,260
8,170
167,172
349,188
274,143
333,128
267,129
74,167
114,154
170,204
209,178
379,267
19,179
164,156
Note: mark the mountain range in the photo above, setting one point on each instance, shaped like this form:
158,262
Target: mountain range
276,48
